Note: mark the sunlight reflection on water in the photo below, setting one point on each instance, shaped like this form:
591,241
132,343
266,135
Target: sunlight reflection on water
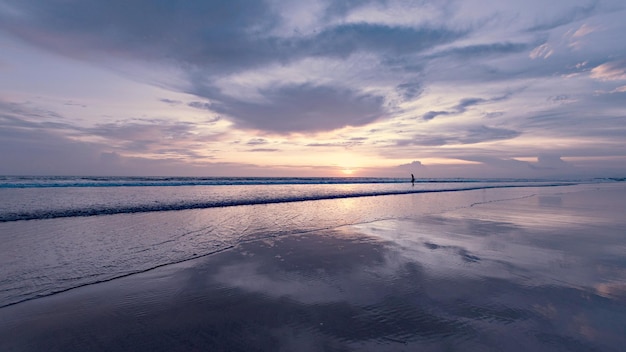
464,271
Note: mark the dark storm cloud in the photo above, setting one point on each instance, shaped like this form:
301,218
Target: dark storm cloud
304,108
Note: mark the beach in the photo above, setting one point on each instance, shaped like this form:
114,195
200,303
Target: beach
541,269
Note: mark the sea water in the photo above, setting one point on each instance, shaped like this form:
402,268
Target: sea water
59,233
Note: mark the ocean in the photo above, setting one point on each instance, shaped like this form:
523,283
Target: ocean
64,232
35,198
60,234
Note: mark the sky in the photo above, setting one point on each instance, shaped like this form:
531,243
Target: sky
441,88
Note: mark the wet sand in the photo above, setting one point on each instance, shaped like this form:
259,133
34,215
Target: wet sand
541,273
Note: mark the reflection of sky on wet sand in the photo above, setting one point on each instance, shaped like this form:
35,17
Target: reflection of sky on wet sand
475,275
499,276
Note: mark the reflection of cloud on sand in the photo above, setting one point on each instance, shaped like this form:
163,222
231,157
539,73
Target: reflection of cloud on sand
333,270
453,246
532,273
449,251
613,290
409,282
247,276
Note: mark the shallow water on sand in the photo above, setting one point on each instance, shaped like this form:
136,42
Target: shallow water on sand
46,256
541,272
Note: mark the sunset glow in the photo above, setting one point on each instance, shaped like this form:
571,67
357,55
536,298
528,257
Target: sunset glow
524,89
347,171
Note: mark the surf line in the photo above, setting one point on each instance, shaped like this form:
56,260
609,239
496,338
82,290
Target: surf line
69,213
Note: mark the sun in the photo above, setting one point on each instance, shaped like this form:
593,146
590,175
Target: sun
347,171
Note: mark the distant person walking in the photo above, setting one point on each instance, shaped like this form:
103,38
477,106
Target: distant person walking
412,180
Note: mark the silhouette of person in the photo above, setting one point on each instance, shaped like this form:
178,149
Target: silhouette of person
412,180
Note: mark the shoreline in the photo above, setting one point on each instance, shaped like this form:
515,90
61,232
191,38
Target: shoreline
539,273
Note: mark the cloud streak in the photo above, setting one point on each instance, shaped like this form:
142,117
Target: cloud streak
372,84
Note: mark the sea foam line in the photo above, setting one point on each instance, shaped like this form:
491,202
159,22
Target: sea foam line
146,208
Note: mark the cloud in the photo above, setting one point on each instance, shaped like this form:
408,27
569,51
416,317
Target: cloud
30,149
176,139
347,144
432,114
265,150
566,16
217,36
412,165
200,105
480,51
501,163
561,99
462,106
304,108
343,40
71,103
543,51
321,74
610,71
550,162
162,31
171,101
209,40
577,37
583,31
257,141
621,89
157,136
471,135
410,90
481,134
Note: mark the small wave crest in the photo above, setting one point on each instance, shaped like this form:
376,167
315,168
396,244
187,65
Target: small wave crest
109,181
188,205
62,181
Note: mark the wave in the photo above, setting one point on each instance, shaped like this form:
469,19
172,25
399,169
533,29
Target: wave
188,205
111,181
64,181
